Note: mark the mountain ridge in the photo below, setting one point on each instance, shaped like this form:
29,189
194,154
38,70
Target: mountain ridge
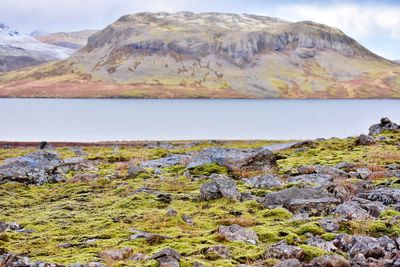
18,50
212,55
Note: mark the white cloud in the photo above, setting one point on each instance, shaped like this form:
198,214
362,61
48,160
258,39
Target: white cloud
354,19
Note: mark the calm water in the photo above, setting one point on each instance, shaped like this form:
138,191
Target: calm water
96,120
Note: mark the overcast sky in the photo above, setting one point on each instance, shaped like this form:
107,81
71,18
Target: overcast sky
375,24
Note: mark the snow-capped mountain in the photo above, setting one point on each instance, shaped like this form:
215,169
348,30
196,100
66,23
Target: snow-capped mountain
18,50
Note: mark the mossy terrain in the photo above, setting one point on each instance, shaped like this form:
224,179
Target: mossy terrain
73,222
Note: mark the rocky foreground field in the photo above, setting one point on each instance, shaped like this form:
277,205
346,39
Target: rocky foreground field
333,202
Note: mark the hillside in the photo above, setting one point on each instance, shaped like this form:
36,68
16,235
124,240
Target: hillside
72,40
18,50
213,55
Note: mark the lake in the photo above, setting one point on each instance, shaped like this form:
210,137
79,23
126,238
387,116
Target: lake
129,119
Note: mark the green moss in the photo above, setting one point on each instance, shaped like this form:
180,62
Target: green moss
208,169
278,214
311,227
312,252
378,228
389,214
328,236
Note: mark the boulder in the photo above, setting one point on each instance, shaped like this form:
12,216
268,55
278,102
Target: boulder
330,261
367,246
384,125
322,244
263,181
282,251
150,238
290,145
387,196
315,178
330,224
36,168
9,227
289,263
314,200
134,171
167,257
210,191
320,169
236,232
365,140
364,173
116,254
166,162
13,260
234,159
351,211
217,252
221,186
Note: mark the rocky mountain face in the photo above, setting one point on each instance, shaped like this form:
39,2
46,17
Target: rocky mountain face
18,50
213,55
72,40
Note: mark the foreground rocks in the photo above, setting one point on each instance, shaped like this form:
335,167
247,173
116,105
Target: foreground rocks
384,125
36,168
311,200
331,202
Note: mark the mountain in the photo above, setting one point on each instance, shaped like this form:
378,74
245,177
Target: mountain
215,55
18,50
397,61
72,40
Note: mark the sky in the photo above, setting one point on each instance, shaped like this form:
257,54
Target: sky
375,24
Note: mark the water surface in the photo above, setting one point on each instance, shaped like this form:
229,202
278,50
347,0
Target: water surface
111,119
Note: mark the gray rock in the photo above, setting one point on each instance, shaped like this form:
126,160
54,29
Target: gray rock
134,171
330,261
330,225
285,146
346,166
217,252
316,178
387,196
9,226
221,186
365,140
187,219
384,125
289,263
46,146
172,212
352,211
364,173
368,246
166,162
282,250
264,181
13,260
36,168
151,238
234,159
139,257
210,191
322,244
315,200
116,254
167,257
319,169
235,232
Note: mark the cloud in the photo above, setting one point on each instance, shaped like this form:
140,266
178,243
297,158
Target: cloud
355,19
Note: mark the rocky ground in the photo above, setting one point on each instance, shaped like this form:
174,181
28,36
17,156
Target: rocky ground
332,202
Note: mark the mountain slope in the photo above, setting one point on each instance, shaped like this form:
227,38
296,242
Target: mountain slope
212,55
18,50
72,40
